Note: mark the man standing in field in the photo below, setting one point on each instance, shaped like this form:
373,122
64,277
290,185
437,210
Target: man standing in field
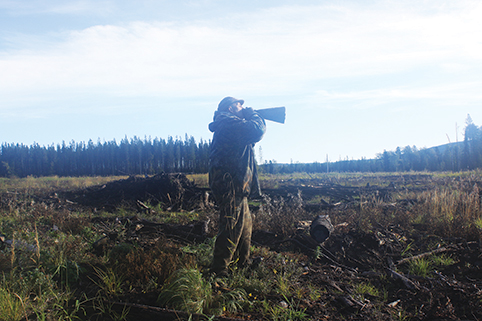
232,178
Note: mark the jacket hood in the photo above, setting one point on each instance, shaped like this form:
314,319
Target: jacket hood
219,116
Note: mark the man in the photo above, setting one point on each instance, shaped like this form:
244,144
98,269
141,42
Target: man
232,178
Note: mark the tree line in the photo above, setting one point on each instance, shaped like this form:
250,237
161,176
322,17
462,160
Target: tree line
465,155
151,156
129,157
410,158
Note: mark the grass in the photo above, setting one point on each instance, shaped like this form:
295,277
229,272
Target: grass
420,266
12,306
32,292
51,260
49,184
188,291
478,223
442,260
425,266
363,289
285,310
109,281
201,180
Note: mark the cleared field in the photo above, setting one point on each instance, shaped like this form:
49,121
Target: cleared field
405,246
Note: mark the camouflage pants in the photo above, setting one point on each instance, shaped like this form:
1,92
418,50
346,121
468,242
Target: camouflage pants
235,228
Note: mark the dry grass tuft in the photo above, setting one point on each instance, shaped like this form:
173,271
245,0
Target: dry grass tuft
279,215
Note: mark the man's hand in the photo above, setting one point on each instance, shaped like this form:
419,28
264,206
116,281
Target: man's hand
248,112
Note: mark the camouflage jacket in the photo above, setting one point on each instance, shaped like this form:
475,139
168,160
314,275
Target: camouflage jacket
232,151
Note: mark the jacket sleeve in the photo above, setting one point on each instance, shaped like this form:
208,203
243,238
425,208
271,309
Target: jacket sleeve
251,130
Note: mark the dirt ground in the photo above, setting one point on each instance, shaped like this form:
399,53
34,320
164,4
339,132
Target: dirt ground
351,255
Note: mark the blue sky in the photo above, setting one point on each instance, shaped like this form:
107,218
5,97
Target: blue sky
356,77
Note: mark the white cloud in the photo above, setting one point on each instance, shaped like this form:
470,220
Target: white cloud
457,94
272,50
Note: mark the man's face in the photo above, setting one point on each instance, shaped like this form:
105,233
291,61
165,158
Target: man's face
236,109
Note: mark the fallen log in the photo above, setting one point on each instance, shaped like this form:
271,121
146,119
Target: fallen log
409,284
416,257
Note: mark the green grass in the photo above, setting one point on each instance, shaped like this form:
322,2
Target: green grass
188,291
109,282
12,305
287,310
365,288
478,223
425,266
442,260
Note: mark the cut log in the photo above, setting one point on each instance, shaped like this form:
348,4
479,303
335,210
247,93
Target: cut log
412,258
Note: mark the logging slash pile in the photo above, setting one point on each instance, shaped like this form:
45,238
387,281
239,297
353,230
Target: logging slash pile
172,192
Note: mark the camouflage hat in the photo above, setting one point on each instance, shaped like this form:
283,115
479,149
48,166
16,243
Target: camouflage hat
228,101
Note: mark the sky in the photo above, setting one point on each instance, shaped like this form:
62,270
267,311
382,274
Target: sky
356,77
